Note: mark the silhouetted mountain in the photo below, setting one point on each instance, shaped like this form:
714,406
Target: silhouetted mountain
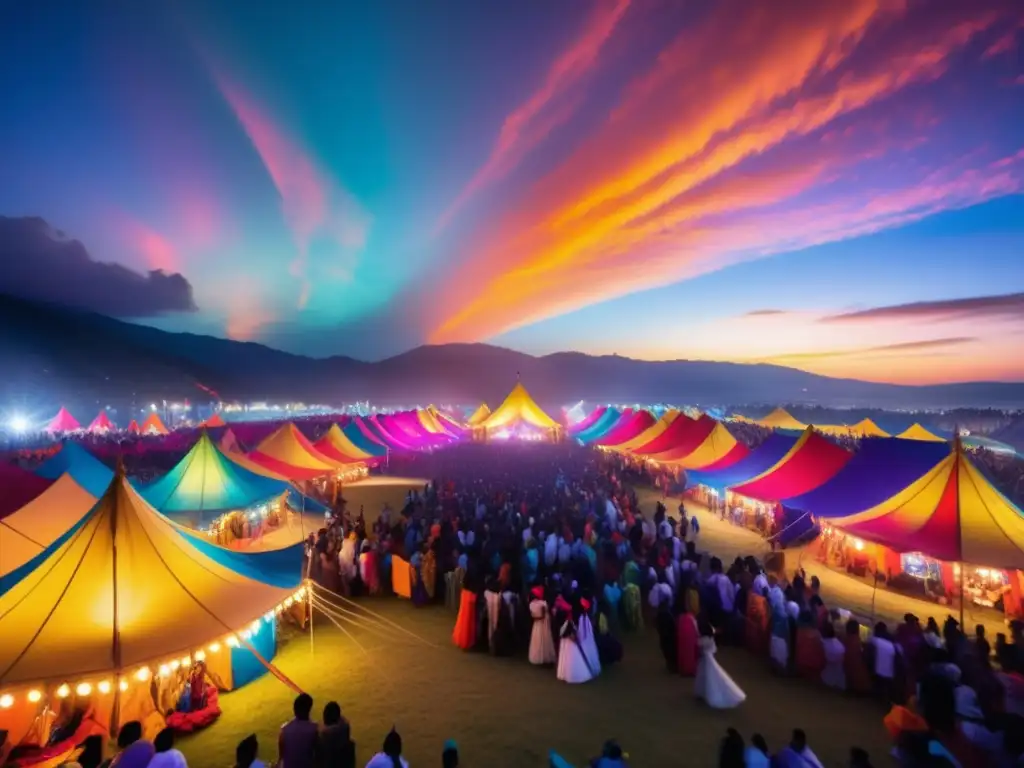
54,355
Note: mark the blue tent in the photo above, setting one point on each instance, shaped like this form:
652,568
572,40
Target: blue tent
759,460
85,469
599,428
362,442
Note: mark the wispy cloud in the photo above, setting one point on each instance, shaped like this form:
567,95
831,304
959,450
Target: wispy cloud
314,205
925,346
156,250
1009,305
765,312
547,108
749,137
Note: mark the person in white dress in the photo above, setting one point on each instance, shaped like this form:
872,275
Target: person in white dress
587,641
834,673
713,684
542,645
573,666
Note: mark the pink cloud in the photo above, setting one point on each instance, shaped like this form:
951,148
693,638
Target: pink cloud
156,250
533,120
313,205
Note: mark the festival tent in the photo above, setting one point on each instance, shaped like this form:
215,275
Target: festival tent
917,432
88,471
289,453
587,421
18,487
63,422
868,428
719,449
811,461
368,429
761,458
364,443
518,408
118,607
133,427
878,470
609,418
390,434
153,425
780,418
229,442
649,434
214,421
638,423
101,423
336,445
479,415
680,439
27,531
448,424
407,424
205,483
951,513
430,420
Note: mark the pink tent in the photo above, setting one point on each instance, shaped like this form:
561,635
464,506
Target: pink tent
20,487
102,423
63,422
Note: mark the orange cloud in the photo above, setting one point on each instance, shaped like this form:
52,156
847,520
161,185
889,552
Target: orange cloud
312,204
663,190
531,122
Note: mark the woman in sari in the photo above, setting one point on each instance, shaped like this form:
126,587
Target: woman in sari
858,679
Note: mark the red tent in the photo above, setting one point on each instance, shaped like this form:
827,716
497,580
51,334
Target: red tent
214,421
154,426
63,422
133,427
811,461
626,430
102,423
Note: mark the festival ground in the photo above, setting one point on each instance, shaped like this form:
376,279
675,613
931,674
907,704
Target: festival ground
504,712
725,540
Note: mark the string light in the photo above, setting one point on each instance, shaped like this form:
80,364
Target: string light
64,691
164,670
83,689
34,696
103,687
200,655
214,647
255,626
142,675
6,701
122,686
232,642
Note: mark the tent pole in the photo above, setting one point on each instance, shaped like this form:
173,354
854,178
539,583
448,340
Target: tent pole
874,589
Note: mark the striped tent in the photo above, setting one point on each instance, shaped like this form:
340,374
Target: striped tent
812,460
287,452
336,445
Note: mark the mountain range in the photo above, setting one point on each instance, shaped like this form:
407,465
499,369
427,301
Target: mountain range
53,355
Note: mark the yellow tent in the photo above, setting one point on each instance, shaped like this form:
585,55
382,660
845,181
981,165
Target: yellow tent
287,452
336,444
123,595
780,418
650,433
428,418
917,432
868,428
479,415
52,514
714,448
518,407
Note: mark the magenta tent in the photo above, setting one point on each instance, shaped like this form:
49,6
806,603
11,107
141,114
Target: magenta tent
102,423
627,428
19,488
588,421
387,433
63,422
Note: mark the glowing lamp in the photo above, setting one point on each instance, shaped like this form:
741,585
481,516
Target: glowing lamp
186,661
214,647
288,602
246,634
255,626
300,593
63,692
175,664
142,675
123,685
6,701
232,642
858,544
83,689
34,696
103,687
163,670
200,655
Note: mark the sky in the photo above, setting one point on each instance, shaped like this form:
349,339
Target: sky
836,187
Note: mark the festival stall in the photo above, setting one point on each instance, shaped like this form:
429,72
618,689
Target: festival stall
208,491
602,426
577,426
393,437
62,422
101,424
520,417
153,425
655,430
288,453
479,415
708,484
809,463
718,450
336,445
953,515
126,621
680,440
627,429
354,431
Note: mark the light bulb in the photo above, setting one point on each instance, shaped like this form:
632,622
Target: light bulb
186,661
233,641
103,686
142,675
123,685
63,692
201,655
83,689
34,696
255,626
175,664
246,634
214,647
6,701
164,670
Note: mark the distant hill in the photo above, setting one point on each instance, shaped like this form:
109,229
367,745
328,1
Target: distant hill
56,355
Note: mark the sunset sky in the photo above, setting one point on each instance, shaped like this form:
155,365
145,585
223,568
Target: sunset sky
832,186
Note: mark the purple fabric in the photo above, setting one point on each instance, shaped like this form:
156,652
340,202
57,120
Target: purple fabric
762,458
879,470
19,487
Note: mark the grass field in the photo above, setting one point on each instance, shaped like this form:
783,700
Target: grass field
504,712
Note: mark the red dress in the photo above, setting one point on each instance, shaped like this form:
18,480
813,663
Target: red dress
464,634
687,646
